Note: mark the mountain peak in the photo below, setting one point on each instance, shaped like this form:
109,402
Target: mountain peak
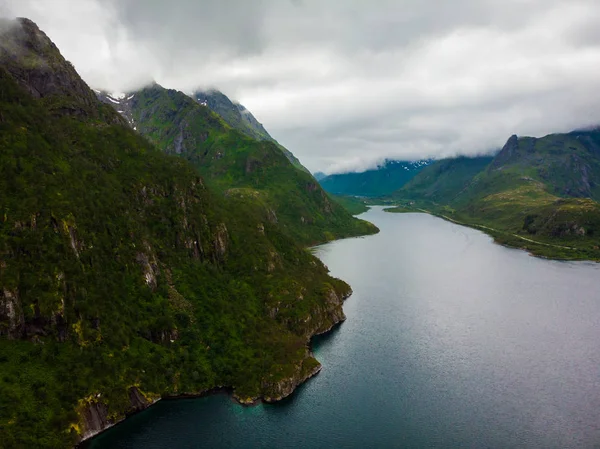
508,153
36,63
239,117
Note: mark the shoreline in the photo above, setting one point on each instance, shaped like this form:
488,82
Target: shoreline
496,233
86,440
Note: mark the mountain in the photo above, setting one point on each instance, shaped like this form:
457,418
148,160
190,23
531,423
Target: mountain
240,118
234,114
443,180
239,166
538,193
123,277
319,175
567,164
381,181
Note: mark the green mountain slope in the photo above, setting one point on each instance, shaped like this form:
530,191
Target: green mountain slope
242,167
240,118
442,181
123,279
567,164
373,183
537,193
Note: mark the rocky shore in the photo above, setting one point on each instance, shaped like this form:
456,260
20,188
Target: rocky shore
94,413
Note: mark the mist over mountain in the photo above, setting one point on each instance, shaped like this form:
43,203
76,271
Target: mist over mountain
385,179
391,80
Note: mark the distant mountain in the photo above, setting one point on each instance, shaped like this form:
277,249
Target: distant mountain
547,188
567,164
240,118
443,180
381,181
236,164
319,175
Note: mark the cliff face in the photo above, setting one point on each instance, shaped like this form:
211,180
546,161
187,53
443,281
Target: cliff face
122,277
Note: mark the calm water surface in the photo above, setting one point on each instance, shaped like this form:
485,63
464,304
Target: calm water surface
451,341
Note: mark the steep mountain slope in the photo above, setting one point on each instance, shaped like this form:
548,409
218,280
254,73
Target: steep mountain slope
542,190
122,278
240,118
567,164
234,114
442,181
240,166
384,180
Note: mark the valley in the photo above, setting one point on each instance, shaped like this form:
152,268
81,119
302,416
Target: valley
299,224
539,194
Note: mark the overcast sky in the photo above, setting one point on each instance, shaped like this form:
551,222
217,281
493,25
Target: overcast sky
345,84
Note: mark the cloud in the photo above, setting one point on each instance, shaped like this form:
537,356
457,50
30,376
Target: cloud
345,85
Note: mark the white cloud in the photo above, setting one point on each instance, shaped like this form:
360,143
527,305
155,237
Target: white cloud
345,85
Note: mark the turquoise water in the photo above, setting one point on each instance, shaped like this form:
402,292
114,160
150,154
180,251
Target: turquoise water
450,341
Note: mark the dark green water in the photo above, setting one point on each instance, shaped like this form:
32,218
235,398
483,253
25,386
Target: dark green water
451,341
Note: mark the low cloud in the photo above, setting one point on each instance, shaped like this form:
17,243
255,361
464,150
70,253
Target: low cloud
345,85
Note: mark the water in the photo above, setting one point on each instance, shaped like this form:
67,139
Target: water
451,341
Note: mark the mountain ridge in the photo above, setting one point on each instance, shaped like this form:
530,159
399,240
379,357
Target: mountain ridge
239,117
536,193
381,181
238,165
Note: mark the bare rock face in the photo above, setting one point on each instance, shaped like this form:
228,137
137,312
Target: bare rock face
276,390
272,216
137,400
94,413
509,151
580,183
326,316
149,264
311,187
95,419
221,241
11,314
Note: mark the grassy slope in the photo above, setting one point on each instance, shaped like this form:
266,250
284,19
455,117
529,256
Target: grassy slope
242,167
119,269
352,204
536,194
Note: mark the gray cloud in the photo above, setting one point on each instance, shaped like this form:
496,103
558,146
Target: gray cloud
347,84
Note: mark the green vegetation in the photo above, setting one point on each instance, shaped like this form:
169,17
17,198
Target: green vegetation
536,194
122,277
378,182
240,118
239,166
443,180
352,204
